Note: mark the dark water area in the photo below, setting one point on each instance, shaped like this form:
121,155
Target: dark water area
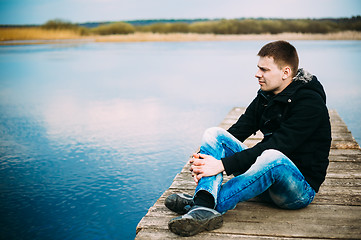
92,134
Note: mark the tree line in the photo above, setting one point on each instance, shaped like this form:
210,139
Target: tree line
221,26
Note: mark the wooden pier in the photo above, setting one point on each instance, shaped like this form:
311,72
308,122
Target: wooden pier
334,214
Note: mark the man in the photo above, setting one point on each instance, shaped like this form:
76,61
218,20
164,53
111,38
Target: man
287,167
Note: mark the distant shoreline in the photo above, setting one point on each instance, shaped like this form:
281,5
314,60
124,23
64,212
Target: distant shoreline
176,37
179,37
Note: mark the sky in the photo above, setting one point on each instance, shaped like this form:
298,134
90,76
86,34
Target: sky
81,11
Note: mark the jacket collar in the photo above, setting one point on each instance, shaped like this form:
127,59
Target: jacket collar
302,77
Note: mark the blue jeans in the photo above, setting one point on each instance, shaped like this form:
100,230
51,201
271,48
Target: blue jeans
273,175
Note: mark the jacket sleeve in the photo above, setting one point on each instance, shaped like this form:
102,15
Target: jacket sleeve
246,125
305,115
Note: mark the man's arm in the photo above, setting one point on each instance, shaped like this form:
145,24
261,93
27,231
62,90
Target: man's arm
246,125
305,116
203,165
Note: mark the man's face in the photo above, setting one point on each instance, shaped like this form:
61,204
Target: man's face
270,76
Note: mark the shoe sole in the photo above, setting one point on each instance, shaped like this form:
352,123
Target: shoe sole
186,227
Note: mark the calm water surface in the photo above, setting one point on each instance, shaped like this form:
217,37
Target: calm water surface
92,134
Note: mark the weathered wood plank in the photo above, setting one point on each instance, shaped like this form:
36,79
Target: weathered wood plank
334,157
165,234
252,218
325,221
334,214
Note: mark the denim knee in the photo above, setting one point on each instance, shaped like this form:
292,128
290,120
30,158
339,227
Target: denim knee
270,158
213,132
271,155
211,136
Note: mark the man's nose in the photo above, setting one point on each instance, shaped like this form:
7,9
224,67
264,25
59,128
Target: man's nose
258,74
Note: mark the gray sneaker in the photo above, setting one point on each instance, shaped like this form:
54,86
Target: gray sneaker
195,221
179,202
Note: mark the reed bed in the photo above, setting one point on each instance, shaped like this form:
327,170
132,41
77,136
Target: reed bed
10,34
36,33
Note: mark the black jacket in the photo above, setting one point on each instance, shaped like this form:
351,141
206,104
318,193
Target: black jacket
295,122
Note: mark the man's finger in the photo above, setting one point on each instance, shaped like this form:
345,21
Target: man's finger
195,178
198,162
197,170
195,155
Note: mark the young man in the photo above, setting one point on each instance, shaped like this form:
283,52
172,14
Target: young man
287,167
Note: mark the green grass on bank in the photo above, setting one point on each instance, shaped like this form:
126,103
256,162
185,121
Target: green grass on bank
255,26
223,26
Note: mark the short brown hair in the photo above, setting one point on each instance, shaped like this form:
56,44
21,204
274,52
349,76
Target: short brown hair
283,54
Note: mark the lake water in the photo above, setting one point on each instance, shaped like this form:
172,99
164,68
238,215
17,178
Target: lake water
91,134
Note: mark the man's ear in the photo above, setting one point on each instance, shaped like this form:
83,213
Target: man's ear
287,72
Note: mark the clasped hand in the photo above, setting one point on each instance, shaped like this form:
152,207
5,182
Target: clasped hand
203,165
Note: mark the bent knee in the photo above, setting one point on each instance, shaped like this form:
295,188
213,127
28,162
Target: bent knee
271,155
213,132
